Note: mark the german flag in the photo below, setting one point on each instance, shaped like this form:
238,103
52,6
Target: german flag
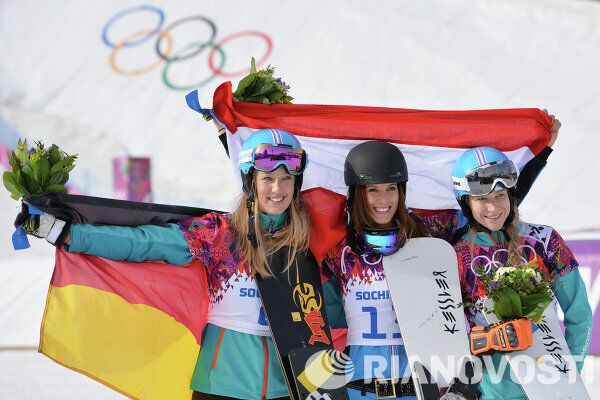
135,327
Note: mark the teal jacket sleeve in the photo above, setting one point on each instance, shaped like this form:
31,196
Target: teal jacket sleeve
143,243
333,303
572,296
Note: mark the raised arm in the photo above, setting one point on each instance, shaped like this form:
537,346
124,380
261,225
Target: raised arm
532,169
222,136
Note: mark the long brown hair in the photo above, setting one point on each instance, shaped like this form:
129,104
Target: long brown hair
511,229
409,224
294,234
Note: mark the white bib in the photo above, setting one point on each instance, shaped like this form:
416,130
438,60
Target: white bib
240,309
370,314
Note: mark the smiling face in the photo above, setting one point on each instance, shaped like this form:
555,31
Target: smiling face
491,210
274,190
382,203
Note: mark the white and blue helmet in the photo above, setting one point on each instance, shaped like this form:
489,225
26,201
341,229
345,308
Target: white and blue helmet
267,150
481,170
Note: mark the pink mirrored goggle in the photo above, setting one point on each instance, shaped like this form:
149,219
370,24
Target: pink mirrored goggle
267,158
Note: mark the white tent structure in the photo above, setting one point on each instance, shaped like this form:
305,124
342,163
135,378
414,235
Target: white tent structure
62,82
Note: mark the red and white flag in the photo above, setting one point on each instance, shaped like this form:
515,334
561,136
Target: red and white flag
430,140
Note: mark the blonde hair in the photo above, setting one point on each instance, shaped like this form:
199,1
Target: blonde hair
409,225
294,235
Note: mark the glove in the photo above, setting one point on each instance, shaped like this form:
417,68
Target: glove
44,225
504,336
50,228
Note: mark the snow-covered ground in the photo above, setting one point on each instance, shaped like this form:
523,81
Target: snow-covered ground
52,381
28,375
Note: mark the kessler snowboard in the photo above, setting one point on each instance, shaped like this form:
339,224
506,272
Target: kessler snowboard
295,309
425,289
555,376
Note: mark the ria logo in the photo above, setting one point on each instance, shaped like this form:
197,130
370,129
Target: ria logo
327,369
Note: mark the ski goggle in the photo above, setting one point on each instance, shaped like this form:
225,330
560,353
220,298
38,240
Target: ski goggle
482,180
382,241
267,158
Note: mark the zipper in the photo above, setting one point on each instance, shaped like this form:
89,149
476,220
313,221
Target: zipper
214,363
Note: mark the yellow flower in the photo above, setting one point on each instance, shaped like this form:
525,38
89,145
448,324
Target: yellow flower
502,271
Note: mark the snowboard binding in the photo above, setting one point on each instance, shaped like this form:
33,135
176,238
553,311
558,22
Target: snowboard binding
504,336
459,390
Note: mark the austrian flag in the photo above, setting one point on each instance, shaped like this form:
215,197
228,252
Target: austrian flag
430,140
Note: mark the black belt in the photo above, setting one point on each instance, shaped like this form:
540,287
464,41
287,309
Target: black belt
384,388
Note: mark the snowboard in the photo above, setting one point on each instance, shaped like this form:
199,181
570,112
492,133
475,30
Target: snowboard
294,306
425,290
556,376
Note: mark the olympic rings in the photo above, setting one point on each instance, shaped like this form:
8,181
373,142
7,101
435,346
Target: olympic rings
131,10
487,266
226,39
179,22
121,71
532,256
499,251
489,263
201,46
181,54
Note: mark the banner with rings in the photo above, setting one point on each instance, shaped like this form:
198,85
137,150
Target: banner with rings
167,53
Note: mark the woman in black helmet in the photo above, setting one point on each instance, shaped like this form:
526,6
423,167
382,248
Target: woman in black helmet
379,223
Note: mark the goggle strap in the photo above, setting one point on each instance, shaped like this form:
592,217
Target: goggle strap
245,156
460,184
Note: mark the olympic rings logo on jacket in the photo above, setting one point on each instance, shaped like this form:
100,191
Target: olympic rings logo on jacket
168,56
484,264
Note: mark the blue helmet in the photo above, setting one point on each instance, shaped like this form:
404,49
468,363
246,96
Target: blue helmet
480,170
288,152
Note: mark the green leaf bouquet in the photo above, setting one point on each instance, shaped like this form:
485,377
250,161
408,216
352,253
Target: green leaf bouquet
518,292
37,170
261,87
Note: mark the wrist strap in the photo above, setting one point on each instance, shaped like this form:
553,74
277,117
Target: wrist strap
55,231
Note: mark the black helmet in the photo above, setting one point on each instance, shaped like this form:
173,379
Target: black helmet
375,162
371,163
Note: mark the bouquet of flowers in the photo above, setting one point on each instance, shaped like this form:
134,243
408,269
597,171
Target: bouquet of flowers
261,87
518,292
36,171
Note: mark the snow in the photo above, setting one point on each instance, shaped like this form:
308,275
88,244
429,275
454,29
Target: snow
26,374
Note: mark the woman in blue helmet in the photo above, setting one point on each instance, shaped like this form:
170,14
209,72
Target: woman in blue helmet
234,248
485,181
379,223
